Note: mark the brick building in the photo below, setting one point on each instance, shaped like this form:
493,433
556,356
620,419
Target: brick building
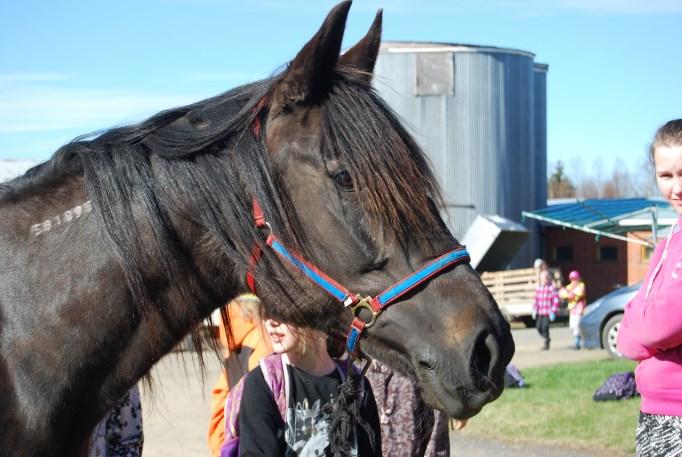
608,241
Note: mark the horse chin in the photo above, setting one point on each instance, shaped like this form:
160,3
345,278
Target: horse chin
458,401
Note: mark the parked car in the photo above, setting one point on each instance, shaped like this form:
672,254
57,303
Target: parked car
600,322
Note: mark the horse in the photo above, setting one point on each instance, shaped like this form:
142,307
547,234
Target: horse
123,242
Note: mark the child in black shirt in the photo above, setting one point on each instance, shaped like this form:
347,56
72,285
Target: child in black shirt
313,380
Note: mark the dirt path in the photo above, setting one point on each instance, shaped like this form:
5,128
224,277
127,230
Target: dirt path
468,446
528,353
176,416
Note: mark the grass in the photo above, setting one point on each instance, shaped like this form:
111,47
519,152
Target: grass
557,409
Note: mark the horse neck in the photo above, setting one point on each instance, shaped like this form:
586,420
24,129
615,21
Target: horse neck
46,235
78,341
24,206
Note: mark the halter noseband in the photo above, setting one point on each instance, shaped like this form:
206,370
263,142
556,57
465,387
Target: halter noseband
375,305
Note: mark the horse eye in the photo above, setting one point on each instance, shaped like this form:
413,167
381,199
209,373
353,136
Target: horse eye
287,108
343,180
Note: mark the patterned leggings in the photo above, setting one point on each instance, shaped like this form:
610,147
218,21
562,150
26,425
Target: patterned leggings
659,436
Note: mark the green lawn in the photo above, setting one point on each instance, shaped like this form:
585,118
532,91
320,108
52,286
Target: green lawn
557,408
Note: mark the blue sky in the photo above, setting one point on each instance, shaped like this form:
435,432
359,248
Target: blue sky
72,67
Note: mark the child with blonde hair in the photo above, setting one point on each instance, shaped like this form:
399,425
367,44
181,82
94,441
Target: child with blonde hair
287,407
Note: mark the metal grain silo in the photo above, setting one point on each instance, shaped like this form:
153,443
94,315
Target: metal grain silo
479,113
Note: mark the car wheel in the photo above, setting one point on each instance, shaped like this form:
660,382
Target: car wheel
609,336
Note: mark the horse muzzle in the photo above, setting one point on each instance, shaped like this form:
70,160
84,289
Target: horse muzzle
461,384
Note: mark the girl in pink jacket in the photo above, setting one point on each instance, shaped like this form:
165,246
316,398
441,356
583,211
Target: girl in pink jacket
651,329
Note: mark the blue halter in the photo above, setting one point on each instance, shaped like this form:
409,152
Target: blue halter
376,305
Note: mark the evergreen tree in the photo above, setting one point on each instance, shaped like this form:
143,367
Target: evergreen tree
559,184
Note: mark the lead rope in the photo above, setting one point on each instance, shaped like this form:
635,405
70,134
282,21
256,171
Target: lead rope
345,412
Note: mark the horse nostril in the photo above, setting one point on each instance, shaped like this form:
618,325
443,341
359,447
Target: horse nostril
425,365
483,357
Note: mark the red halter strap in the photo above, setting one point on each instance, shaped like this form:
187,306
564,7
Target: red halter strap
256,253
375,305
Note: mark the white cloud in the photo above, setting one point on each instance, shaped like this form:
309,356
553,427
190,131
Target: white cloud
41,108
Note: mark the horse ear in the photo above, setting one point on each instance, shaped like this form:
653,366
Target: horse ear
310,73
363,55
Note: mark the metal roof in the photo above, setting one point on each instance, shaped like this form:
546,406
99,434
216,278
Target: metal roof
435,46
601,217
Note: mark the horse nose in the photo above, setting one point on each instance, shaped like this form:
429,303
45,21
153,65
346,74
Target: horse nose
484,361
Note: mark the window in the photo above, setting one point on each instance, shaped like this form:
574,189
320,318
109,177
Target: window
608,253
563,253
645,253
434,74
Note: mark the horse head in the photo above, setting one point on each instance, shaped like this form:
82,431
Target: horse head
367,205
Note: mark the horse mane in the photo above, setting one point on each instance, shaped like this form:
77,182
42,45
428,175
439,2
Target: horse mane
116,165
207,159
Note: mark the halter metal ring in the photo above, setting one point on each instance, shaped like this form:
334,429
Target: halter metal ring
362,357
364,303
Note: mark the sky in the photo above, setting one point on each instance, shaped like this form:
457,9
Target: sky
73,67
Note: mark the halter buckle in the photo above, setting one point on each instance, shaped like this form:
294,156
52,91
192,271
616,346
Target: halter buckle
365,303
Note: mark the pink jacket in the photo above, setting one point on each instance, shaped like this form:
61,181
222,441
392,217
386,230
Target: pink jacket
651,330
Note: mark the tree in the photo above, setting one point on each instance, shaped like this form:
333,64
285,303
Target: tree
559,184
645,179
621,184
591,185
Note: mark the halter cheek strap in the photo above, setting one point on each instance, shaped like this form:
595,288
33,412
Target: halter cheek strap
375,305
389,296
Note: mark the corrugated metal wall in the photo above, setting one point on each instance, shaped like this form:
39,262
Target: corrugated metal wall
486,139
540,126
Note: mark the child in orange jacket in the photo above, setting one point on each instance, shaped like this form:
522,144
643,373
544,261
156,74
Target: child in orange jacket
245,346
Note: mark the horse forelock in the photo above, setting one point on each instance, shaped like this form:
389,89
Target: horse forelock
387,165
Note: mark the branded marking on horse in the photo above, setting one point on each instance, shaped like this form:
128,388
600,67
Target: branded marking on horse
64,218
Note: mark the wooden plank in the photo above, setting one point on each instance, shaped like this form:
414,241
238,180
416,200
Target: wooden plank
509,286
